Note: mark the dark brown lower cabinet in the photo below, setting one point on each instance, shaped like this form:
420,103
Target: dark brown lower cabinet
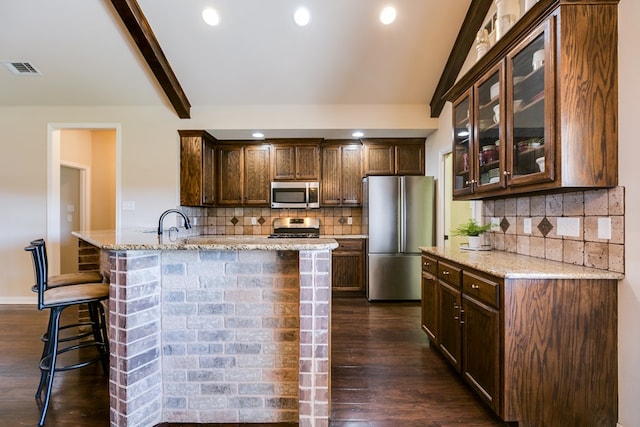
348,267
450,331
538,351
429,305
480,349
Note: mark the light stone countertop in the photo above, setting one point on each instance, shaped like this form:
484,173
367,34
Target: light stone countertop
514,266
139,240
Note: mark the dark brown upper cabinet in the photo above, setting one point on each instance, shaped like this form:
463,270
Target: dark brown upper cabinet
341,183
539,111
394,156
197,168
295,159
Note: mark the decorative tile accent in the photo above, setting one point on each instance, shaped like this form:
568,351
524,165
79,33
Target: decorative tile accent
261,220
545,226
234,220
504,225
586,249
342,220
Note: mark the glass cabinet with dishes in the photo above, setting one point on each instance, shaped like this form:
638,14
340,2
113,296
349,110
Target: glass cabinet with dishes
462,134
529,125
488,103
538,111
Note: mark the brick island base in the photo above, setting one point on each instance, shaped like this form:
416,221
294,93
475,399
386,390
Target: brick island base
199,336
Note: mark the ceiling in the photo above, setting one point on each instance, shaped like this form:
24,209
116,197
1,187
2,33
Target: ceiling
257,55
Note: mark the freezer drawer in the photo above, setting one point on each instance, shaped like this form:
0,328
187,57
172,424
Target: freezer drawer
393,277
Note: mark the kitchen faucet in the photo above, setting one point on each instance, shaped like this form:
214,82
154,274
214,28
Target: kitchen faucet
187,224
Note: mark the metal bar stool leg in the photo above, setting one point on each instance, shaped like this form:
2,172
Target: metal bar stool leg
51,357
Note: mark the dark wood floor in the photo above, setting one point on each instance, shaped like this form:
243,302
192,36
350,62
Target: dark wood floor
384,374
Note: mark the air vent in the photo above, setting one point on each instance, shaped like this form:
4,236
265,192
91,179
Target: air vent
21,68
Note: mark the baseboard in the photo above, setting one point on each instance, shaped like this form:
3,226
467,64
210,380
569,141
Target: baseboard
18,300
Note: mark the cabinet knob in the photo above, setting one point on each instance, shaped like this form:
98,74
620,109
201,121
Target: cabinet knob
474,286
445,273
426,264
506,173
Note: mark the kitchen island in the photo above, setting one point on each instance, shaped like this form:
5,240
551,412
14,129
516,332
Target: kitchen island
217,329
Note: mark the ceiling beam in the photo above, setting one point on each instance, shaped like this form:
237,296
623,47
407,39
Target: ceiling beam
464,42
141,32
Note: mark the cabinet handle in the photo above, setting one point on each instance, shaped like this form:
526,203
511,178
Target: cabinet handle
455,307
506,173
445,272
461,316
474,286
426,264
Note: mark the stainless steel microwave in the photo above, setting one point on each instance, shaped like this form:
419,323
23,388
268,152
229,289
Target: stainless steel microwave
298,195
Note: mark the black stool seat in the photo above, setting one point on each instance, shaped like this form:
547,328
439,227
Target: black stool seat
57,299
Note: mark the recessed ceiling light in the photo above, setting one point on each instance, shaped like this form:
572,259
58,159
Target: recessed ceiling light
357,134
302,16
257,135
211,17
388,15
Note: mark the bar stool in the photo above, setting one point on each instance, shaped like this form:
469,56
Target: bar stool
57,299
67,278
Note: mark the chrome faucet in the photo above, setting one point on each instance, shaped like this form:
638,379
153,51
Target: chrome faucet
187,224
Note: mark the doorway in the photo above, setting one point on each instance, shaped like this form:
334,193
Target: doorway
83,159
453,212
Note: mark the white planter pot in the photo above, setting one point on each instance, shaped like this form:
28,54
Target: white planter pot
475,241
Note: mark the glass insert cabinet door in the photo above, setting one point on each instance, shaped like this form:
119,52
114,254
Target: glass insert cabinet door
490,115
531,107
462,162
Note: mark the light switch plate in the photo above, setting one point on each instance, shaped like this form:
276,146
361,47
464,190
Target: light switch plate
568,227
527,225
349,220
254,220
604,228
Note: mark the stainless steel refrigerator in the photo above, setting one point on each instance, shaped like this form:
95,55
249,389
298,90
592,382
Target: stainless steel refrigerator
398,216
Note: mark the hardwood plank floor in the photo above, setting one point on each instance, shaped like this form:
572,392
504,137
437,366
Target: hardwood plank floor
384,374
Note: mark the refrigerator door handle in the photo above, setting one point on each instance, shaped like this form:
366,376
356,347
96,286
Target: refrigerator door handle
402,216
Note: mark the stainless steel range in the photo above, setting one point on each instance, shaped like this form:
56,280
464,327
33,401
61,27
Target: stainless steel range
296,228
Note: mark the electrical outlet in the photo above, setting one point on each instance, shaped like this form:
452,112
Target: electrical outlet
604,228
254,220
527,225
128,205
568,227
350,220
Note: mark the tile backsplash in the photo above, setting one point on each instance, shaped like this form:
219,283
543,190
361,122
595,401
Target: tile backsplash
238,221
581,227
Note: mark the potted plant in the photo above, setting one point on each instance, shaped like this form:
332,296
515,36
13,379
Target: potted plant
473,231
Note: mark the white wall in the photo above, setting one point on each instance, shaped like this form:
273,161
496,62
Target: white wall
629,149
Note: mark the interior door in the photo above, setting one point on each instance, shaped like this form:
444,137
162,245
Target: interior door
69,218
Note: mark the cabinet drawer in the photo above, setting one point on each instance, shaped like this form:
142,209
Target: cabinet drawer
449,273
480,288
350,245
429,264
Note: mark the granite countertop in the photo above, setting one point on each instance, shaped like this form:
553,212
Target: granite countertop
139,240
514,266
